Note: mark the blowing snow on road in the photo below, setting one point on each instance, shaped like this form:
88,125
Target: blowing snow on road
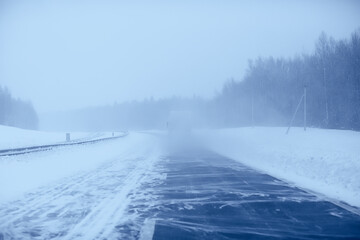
81,201
142,187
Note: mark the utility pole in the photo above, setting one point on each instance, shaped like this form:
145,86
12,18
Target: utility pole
326,101
252,102
252,110
302,99
292,120
305,108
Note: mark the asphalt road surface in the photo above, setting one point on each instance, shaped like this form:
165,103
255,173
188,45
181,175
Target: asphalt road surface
207,196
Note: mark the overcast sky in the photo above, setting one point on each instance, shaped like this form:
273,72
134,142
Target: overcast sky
67,54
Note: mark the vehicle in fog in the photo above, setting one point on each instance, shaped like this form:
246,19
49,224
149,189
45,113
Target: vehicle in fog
179,122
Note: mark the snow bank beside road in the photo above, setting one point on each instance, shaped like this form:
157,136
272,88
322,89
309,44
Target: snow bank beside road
325,161
25,173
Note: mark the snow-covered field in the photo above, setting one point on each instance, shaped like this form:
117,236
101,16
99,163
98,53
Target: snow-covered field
325,161
79,191
11,137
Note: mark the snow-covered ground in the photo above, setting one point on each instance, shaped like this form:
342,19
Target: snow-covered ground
325,161
84,191
75,192
11,137
23,173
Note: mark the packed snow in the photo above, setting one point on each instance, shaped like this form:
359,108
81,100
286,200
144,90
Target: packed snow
324,161
76,192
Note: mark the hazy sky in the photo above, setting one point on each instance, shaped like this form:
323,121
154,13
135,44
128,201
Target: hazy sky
66,54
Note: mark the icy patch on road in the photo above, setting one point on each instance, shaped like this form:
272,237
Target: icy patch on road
325,161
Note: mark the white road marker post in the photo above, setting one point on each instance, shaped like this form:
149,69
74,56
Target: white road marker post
68,137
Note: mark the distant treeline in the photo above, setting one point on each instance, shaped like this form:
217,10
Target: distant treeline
15,112
267,95
134,115
272,88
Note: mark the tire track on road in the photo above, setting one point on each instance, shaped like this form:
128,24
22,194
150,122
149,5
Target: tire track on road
86,206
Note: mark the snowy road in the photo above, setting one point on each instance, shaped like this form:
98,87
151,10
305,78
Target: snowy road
207,196
143,191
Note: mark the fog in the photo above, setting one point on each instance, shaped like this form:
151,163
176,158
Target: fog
188,119
79,61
